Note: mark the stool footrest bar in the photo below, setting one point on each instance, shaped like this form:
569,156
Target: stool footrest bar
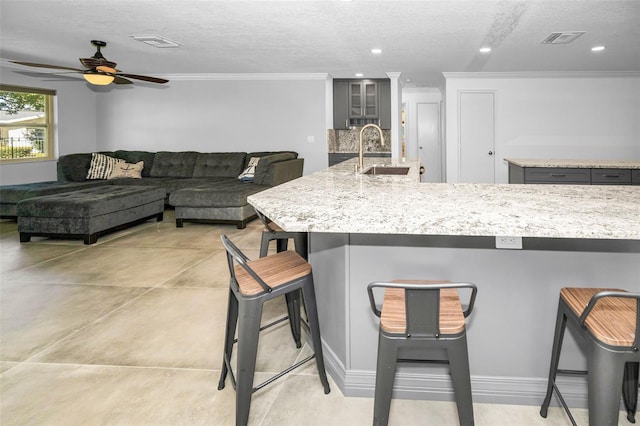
283,372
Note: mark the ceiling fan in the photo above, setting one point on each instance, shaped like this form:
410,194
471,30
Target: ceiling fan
99,70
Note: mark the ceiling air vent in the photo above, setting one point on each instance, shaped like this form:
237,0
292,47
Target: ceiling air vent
155,40
562,38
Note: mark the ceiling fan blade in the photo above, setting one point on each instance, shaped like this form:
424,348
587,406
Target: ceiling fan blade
96,62
145,78
119,80
58,67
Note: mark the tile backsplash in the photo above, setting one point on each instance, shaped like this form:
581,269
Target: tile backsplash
349,140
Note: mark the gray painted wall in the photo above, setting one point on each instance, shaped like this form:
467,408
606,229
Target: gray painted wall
218,115
242,114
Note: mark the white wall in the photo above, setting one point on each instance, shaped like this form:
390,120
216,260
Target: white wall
75,131
536,116
212,115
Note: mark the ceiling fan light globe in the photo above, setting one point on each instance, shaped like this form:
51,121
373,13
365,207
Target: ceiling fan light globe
98,79
104,68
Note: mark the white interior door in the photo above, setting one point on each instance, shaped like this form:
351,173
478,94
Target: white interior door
477,137
429,142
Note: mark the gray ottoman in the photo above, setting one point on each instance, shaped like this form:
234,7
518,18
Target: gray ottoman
222,202
88,212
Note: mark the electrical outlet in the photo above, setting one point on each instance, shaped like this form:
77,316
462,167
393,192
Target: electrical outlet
509,242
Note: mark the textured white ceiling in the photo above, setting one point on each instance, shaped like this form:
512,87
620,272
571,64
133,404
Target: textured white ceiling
421,39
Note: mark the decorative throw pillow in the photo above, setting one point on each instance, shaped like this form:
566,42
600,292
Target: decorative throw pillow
127,170
247,174
101,166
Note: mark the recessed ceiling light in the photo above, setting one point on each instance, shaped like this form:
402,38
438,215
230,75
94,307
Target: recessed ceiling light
597,48
359,74
376,51
485,49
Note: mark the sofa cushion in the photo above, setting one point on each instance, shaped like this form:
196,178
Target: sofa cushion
89,202
173,164
261,175
101,166
248,174
219,164
11,194
137,156
231,193
123,169
74,167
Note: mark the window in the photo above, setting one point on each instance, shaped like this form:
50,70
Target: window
26,123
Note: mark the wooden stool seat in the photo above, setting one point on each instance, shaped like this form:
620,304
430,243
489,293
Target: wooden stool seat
275,270
272,227
612,320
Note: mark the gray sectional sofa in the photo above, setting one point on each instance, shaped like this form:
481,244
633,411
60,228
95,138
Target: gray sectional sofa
201,186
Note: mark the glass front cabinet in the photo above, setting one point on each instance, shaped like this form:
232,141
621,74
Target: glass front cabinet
363,99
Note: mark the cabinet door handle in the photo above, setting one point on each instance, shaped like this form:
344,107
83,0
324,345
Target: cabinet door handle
490,152
612,176
558,175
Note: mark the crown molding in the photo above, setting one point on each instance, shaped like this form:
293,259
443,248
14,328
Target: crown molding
215,76
543,74
246,76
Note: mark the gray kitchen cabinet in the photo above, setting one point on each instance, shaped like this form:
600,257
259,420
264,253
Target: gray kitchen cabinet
360,102
611,176
363,99
573,175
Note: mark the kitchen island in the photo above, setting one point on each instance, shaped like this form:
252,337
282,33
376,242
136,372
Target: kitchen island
372,228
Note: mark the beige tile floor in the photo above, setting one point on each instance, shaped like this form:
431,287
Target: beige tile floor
129,331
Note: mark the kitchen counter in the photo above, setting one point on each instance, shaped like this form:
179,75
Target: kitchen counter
379,228
339,200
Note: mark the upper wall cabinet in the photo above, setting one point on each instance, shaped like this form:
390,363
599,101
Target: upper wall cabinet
360,102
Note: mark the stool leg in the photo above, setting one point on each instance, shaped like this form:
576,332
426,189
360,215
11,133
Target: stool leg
309,295
264,243
300,241
282,244
630,389
232,321
293,309
461,378
385,375
561,323
605,382
250,314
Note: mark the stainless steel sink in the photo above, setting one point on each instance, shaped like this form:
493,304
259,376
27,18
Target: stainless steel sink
384,170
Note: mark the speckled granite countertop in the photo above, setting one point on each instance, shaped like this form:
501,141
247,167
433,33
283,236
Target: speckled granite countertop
339,200
580,164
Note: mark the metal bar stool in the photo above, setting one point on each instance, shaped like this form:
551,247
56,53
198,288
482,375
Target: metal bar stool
252,283
272,232
608,321
420,316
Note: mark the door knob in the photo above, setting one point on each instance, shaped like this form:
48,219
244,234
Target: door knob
490,152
